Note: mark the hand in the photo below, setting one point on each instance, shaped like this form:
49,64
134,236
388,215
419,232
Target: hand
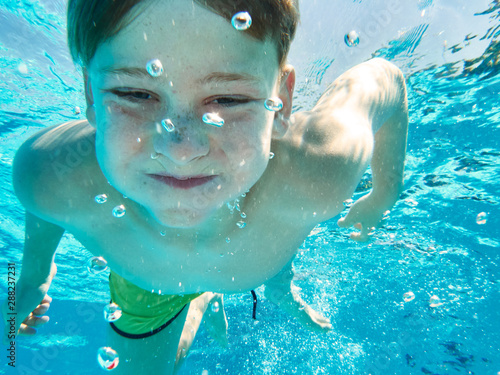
288,299
365,215
36,318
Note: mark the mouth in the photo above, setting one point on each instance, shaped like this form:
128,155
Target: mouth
182,182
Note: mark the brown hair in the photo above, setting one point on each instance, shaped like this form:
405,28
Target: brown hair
92,22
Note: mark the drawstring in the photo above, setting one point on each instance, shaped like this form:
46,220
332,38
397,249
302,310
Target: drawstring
254,304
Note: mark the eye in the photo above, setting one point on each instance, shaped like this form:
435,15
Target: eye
229,101
132,95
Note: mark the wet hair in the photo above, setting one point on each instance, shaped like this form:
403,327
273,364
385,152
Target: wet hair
92,22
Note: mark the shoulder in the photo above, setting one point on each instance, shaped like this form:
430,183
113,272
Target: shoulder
53,164
316,167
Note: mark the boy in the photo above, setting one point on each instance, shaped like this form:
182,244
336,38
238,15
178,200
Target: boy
184,113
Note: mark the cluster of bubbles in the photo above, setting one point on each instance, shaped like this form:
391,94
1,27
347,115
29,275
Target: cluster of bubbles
106,357
434,301
118,211
235,206
241,21
351,39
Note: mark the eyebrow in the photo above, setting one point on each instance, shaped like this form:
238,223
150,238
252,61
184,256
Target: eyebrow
212,78
219,77
130,71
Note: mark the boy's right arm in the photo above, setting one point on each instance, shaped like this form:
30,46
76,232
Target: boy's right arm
37,272
41,240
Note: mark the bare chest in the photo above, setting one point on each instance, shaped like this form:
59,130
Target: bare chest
173,262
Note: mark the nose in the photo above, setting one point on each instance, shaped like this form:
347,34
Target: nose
187,141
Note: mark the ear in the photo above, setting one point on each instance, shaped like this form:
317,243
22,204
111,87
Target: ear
89,97
287,85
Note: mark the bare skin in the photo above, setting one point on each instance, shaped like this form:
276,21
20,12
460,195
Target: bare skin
185,240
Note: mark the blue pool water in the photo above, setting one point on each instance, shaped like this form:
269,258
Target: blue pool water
431,245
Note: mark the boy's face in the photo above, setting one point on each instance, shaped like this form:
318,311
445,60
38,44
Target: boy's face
181,177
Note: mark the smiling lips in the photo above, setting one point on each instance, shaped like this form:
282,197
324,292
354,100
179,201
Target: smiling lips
183,182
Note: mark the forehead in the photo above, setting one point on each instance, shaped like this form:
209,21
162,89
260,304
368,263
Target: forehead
182,34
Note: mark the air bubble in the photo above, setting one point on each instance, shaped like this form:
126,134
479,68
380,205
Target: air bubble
434,301
241,224
22,68
348,202
77,110
241,21
119,211
481,218
163,233
243,215
408,296
228,240
107,358
351,39
154,68
101,198
271,155
155,156
96,265
213,119
215,307
273,104
112,312
168,125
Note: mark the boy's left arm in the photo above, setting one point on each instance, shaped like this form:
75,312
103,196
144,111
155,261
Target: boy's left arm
387,162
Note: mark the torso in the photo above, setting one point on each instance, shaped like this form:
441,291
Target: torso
176,261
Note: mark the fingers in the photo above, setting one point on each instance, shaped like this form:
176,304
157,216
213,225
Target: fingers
35,321
41,309
46,299
364,235
315,321
25,330
365,232
344,223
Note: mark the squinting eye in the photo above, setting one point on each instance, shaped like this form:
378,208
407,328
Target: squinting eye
229,101
132,95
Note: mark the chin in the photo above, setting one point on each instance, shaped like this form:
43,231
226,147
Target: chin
180,218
